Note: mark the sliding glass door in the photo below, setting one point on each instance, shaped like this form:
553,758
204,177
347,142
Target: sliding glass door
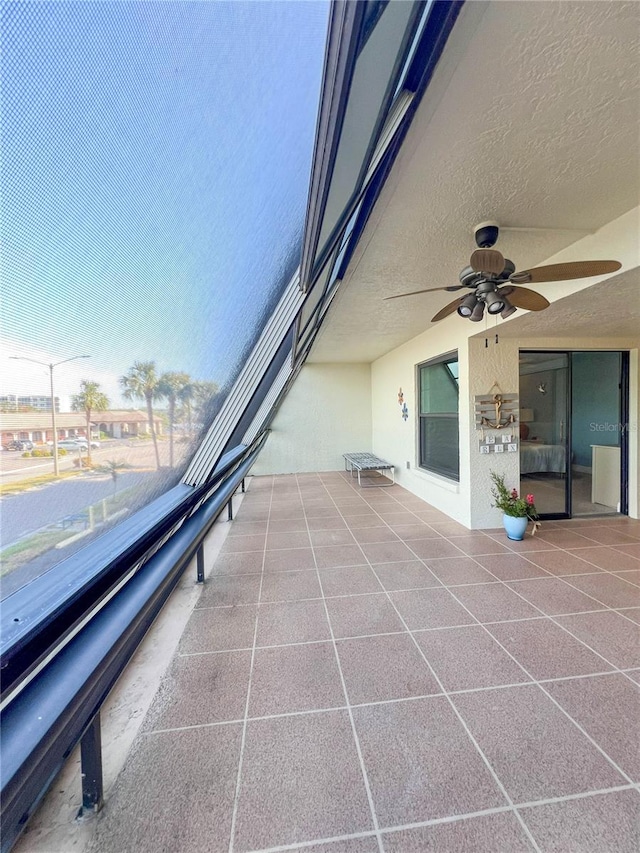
573,444
544,430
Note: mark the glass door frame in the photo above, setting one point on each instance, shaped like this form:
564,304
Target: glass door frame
624,437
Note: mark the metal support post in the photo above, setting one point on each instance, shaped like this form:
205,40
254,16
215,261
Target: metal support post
91,766
200,564
230,509
243,485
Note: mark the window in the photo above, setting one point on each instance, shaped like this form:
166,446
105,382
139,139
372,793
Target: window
439,441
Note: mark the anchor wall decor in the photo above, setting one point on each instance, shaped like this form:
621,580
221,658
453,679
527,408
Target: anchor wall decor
496,410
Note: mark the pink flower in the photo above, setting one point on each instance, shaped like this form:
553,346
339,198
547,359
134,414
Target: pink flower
530,499
514,493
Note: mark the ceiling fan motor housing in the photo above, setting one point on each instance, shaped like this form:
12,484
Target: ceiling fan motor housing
486,234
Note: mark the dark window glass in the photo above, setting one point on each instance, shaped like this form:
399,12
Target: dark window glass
439,440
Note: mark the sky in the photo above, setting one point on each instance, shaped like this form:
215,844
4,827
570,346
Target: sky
156,160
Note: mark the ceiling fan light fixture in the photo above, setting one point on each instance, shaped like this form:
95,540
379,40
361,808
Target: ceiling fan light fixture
467,306
508,309
477,313
494,302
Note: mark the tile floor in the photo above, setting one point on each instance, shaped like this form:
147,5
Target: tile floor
363,674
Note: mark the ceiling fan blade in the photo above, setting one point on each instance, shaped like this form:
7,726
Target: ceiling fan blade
522,297
565,272
448,309
488,261
429,290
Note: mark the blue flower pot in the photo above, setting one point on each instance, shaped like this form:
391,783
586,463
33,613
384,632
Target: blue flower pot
515,527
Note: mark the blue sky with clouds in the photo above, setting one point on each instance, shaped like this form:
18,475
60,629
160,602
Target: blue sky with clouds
156,162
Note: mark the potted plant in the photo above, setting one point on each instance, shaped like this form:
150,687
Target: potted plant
517,511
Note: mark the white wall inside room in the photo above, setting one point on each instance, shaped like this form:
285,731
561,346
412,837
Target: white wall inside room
326,413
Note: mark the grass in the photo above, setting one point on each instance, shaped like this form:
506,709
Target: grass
33,482
28,549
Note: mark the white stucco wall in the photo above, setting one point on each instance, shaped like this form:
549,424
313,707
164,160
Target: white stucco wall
326,413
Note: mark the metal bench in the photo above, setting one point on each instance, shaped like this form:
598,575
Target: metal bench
356,463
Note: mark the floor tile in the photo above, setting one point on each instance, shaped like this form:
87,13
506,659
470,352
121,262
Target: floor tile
364,535
287,525
411,575
606,558
201,689
295,678
290,586
554,596
386,667
535,750
247,528
427,549
509,567
168,768
387,552
368,844
609,535
610,590
632,613
560,562
608,709
235,544
361,615
458,570
333,523
564,538
289,560
629,550
609,634
494,833
418,530
323,511
529,543
632,576
219,628
605,823
292,622
545,650
219,591
478,543
467,658
339,555
430,608
420,762
494,602
282,514
293,539
246,563
352,580
320,538
357,522
320,795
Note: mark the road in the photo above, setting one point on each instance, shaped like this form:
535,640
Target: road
40,506
29,511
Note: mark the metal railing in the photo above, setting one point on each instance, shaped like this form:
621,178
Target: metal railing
55,692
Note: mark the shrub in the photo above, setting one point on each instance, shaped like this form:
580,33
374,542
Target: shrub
26,454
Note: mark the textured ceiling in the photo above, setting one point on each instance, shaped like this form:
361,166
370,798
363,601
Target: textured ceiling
606,310
532,119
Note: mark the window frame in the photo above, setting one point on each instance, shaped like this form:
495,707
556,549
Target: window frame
423,418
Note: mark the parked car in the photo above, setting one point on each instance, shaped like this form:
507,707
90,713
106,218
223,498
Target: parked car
73,444
19,444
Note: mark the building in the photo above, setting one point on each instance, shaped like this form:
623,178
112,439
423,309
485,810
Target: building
36,427
15,402
404,688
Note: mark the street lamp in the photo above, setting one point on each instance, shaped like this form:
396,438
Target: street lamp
56,469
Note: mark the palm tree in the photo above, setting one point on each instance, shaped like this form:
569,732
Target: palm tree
172,386
90,399
142,383
204,393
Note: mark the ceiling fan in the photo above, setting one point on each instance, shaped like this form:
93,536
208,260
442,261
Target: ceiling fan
494,283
